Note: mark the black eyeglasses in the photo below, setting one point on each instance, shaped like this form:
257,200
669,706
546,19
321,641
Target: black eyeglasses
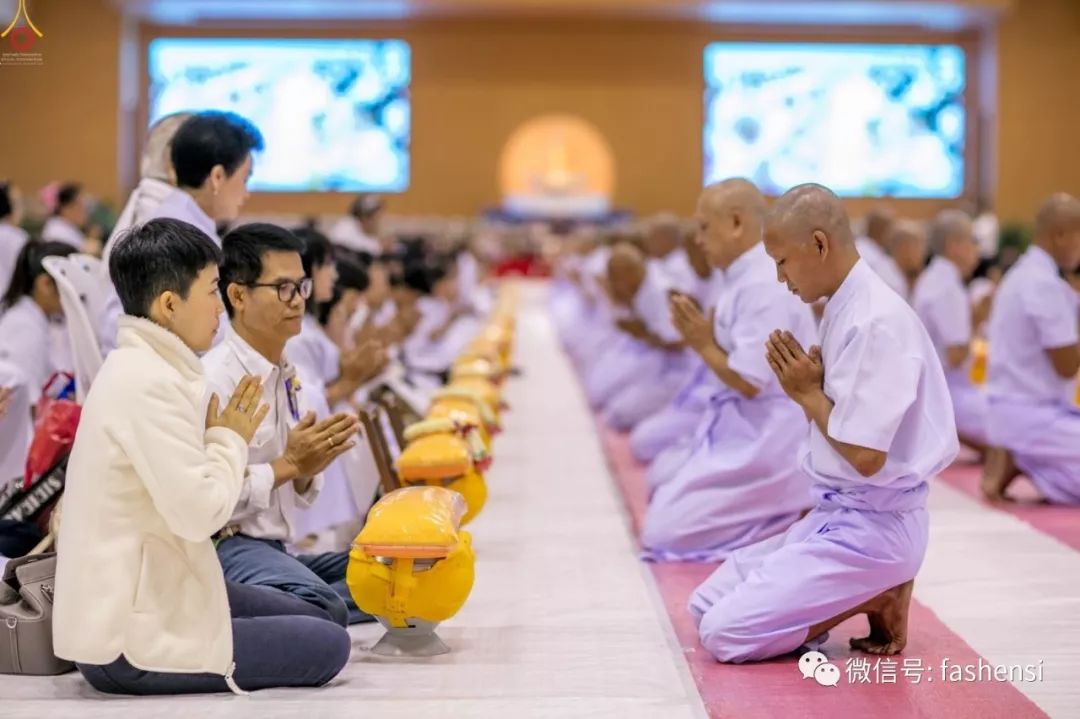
288,289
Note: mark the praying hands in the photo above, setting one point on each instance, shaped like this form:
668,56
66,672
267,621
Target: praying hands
801,374
696,329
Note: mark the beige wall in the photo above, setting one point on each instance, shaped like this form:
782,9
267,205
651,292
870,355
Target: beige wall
475,81
1038,104
59,120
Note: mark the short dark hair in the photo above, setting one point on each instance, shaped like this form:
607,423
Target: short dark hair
423,277
158,256
317,252
244,248
212,138
352,275
29,266
67,194
317,249
6,205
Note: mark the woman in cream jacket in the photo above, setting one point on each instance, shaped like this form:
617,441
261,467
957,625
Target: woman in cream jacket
141,603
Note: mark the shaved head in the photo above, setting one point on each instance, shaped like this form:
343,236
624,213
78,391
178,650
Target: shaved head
733,195
948,224
907,245
1057,230
665,222
878,222
807,208
808,235
625,255
904,231
663,235
730,217
1060,213
626,271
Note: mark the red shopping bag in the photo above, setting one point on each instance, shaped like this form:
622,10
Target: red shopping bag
55,423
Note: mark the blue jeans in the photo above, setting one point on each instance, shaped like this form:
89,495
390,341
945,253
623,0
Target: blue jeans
278,641
316,578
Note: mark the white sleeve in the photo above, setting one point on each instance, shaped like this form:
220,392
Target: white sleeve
1052,310
193,474
952,315
874,381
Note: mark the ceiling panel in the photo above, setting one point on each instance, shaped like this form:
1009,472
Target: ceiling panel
937,14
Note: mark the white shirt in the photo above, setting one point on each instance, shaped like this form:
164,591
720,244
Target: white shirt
179,205
421,352
941,301
12,240
986,231
26,342
651,306
883,374
884,265
751,306
262,511
141,206
709,290
683,277
1034,310
57,229
478,297
593,268
348,233
314,354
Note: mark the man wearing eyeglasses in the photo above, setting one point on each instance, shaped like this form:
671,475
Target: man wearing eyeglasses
264,291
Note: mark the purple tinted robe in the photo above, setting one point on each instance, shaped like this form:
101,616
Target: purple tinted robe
942,303
865,534
740,481
675,423
626,363
1032,409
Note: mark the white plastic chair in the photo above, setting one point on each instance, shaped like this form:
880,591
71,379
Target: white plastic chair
78,278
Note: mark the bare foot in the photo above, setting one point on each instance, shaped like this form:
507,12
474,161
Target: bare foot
888,622
998,473
976,447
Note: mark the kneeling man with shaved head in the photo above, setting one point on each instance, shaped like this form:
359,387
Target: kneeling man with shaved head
881,425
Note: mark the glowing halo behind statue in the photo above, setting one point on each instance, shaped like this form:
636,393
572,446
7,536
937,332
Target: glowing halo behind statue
557,166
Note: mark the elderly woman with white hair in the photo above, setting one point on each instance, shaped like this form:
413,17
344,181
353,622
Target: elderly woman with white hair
158,179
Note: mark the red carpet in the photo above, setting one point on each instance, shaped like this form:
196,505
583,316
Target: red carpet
776,689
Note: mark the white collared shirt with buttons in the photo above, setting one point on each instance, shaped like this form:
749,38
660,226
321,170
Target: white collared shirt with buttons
262,511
